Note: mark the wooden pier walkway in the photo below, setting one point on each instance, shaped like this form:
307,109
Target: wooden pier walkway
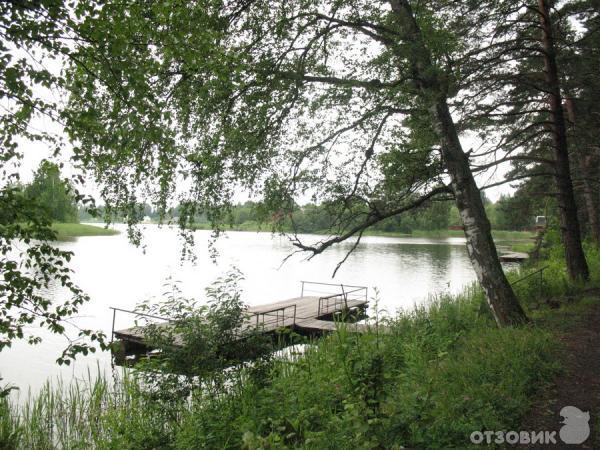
307,315
513,257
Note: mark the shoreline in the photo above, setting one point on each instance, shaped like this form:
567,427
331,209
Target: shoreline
516,240
69,231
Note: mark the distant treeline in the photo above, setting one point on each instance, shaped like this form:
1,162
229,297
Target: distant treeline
515,212
508,213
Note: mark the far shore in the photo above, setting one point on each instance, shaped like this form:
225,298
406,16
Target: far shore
69,231
501,235
521,241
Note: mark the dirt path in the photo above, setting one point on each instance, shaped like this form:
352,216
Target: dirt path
579,383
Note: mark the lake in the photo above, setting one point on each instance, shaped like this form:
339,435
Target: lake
113,272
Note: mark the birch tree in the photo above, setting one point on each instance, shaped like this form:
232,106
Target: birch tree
340,102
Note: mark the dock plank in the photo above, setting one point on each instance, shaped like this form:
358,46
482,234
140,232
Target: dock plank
513,257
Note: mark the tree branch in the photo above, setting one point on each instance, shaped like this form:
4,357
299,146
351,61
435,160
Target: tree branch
371,220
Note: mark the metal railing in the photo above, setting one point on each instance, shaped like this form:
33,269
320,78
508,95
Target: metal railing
317,288
339,302
275,317
529,275
136,313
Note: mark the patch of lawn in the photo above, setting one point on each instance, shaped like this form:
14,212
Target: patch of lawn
69,231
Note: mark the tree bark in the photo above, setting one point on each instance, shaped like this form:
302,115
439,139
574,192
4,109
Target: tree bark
591,202
569,222
584,162
480,244
430,86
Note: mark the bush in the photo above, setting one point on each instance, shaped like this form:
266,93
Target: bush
201,343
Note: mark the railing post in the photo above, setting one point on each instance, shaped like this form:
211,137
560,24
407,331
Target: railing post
112,334
344,296
302,293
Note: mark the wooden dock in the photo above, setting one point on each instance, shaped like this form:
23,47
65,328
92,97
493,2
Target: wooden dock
513,257
307,315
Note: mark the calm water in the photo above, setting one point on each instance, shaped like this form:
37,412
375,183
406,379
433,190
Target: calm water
115,273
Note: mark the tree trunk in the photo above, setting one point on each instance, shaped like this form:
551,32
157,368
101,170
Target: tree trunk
480,245
569,223
591,201
584,162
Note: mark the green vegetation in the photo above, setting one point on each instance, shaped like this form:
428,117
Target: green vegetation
521,247
430,220
438,373
54,194
203,341
499,235
68,231
426,385
30,264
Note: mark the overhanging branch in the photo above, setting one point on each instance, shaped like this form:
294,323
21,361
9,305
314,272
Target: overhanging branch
371,220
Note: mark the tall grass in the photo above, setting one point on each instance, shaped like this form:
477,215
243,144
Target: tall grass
96,412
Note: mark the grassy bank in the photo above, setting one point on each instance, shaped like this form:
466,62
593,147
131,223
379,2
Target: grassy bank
437,374
69,231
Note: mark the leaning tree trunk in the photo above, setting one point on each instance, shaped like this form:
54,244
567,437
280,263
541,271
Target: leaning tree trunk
569,223
482,250
480,245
